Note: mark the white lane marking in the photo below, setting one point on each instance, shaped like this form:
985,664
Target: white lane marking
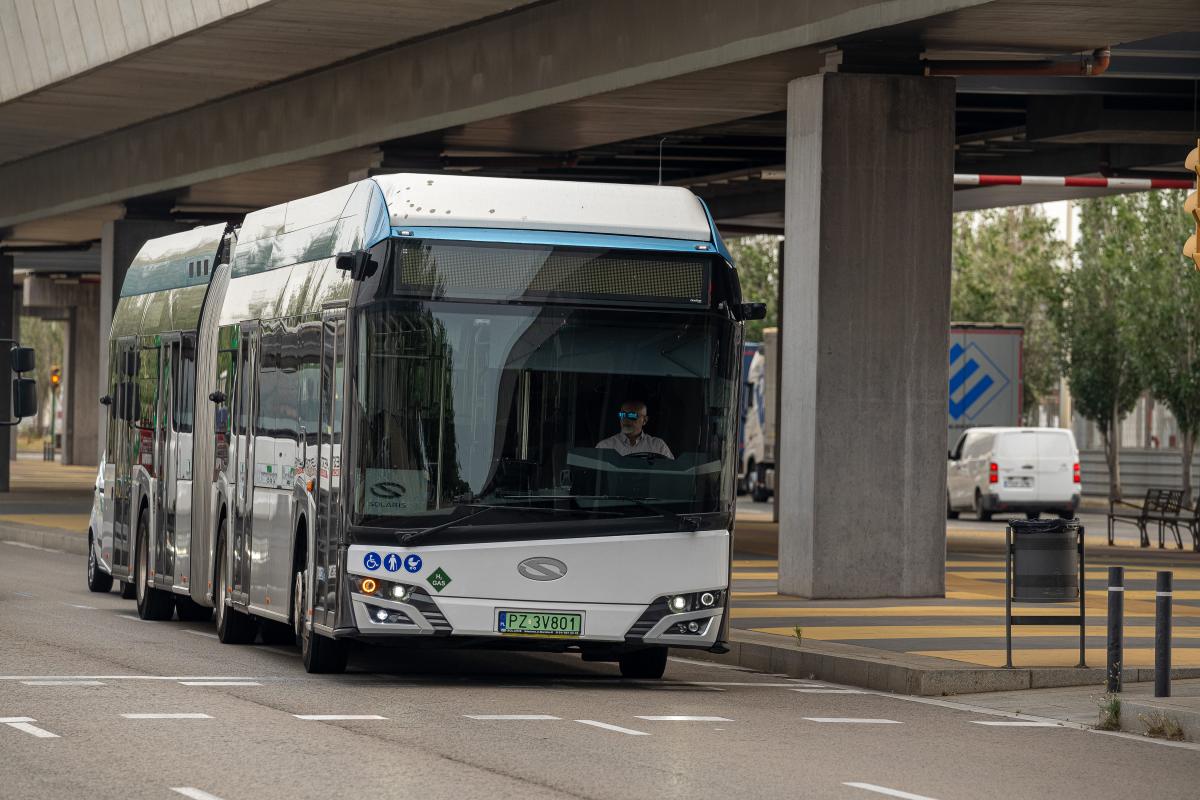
23,594
63,683
741,683
22,724
607,727
194,793
331,717
823,690
201,633
683,718
166,716
76,605
870,787
855,720
133,617
510,716
127,678
220,683
1011,723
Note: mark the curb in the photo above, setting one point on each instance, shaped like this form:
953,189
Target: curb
1136,713
49,538
903,673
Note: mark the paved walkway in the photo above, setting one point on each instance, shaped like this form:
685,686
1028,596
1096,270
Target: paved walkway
967,625
47,494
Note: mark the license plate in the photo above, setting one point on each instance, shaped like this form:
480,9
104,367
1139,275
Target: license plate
538,623
1018,482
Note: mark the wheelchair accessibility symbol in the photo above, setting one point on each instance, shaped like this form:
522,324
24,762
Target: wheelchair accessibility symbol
371,560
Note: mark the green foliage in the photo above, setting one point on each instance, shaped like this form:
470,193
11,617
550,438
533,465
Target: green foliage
757,261
1110,713
46,338
1167,329
1005,269
1098,319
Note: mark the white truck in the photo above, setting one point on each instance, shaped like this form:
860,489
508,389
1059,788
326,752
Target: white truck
986,384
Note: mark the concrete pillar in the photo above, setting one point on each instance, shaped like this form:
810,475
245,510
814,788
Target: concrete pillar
867,304
81,395
7,329
119,243
17,310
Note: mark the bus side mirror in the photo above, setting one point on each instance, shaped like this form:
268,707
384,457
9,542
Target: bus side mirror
106,400
751,311
217,397
359,264
129,401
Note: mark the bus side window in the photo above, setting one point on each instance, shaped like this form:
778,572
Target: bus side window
309,374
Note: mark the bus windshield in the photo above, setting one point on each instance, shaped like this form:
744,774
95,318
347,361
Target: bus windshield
539,414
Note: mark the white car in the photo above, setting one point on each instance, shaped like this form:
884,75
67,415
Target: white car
1029,470
99,570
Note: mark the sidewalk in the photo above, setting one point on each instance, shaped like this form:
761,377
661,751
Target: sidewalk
48,506
1140,711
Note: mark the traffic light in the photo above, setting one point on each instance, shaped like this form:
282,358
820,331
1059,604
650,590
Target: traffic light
1191,249
55,376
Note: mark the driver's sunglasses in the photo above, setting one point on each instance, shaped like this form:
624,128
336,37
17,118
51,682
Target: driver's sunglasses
628,415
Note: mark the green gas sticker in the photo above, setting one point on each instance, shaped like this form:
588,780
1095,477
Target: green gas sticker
439,579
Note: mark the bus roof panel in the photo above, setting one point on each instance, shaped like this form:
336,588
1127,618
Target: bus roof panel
669,212
180,259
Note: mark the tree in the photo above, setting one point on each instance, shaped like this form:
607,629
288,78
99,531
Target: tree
1096,320
757,261
1005,269
46,338
1168,330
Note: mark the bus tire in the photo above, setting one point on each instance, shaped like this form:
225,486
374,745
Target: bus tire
98,580
320,653
233,627
152,604
191,611
127,591
647,664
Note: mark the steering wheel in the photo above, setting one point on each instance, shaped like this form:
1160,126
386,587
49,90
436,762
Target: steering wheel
645,456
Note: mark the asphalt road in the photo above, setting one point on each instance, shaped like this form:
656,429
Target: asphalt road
74,666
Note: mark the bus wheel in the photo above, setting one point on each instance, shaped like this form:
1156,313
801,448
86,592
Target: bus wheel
646,664
127,591
233,627
151,603
191,611
98,581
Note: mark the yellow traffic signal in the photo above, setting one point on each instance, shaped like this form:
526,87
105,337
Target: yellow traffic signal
1191,249
55,376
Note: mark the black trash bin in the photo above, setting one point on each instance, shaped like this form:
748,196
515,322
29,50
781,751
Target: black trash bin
1045,560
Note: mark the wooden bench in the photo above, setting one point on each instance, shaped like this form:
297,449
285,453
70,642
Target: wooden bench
1161,506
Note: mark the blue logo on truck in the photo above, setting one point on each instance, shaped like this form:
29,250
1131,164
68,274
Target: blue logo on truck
975,381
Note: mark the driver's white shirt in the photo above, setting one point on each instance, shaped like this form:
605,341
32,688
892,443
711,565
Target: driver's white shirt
645,444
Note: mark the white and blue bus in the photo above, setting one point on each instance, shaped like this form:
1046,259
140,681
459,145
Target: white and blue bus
436,410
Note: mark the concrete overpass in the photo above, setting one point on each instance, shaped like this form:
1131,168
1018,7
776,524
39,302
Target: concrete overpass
122,121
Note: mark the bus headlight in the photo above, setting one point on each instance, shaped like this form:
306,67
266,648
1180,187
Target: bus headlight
678,603
401,592
708,599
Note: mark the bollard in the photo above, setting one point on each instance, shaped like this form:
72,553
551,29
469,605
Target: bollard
1116,614
1162,635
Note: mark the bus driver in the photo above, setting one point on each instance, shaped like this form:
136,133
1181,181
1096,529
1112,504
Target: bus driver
632,439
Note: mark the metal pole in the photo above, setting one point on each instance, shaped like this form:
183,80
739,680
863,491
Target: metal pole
1116,613
1082,601
1162,635
53,418
1008,556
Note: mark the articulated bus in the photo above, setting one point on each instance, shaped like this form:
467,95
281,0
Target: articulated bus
432,411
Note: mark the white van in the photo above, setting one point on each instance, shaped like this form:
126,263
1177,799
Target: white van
1027,470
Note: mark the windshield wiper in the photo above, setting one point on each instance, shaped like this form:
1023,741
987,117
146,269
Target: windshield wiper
477,509
690,521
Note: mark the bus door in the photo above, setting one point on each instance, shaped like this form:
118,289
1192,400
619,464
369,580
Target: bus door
329,467
124,454
164,458
243,493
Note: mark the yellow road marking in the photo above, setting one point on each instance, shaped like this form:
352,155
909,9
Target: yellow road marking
1065,657
738,562
850,633
755,576
1130,575
77,523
